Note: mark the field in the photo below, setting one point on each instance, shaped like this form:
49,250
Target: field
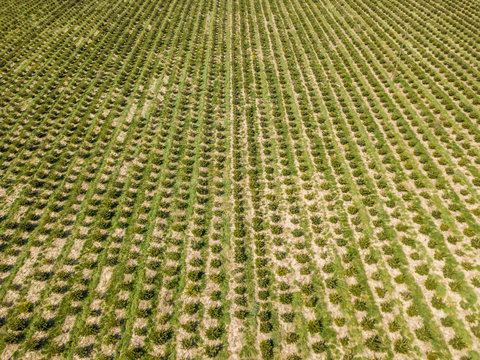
240,179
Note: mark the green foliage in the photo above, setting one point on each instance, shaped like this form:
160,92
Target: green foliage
189,343
374,343
266,349
154,166
25,307
401,346
215,312
292,337
135,353
314,326
212,351
18,324
319,347
214,333
160,337
457,343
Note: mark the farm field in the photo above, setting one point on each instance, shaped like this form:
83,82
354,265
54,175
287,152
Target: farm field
240,179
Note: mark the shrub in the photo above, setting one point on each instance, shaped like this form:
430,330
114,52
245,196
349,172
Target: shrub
475,243
266,349
91,329
241,314
401,346
430,283
292,337
213,350
135,353
360,305
190,326
25,307
319,347
84,351
160,337
288,317
111,339
43,324
215,312
13,338
19,324
314,326
367,323
286,298
216,295
265,327
241,301
214,333
189,343
374,343
79,295
457,343
293,357
36,343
